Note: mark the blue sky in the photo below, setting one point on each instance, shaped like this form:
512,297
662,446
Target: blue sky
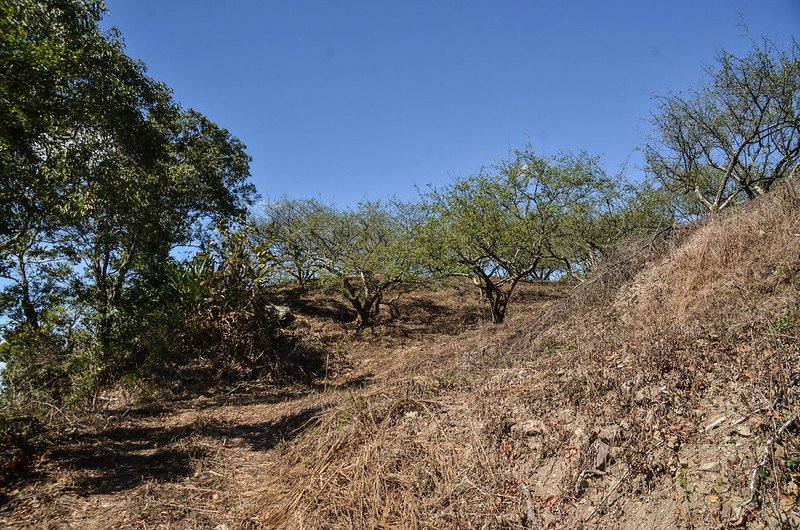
353,100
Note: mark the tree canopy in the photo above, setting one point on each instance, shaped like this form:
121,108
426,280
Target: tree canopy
363,253
522,218
733,137
103,173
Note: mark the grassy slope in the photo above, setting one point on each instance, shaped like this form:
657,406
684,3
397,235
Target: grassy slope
591,411
646,398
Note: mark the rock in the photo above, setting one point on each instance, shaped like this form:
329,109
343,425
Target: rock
710,466
609,434
281,313
744,430
603,456
641,397
579,435
528,428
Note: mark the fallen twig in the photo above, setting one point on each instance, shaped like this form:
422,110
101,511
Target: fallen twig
608,495
189,507
530,517
754,478
714,424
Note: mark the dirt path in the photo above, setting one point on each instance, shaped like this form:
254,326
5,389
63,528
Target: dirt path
187,463
203,461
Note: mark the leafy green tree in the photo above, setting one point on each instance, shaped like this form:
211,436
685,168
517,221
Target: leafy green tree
528,217
102,174
363,253
736,135
131,217
284,229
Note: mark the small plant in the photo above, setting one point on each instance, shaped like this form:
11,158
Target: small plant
409,420
343,417
683,481
784,322
281,447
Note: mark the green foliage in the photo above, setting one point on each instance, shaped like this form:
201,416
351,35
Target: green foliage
214,315
531,216
103,175
365,254
49,364
784,322
733,137
285,235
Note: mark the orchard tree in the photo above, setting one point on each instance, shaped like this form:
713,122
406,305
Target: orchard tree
363,253
526,217
735,136
285,230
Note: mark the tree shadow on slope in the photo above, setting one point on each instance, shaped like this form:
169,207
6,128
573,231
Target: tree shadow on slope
316,304
120,458
422,316
265,435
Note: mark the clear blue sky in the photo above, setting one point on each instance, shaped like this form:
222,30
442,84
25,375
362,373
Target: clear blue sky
352,100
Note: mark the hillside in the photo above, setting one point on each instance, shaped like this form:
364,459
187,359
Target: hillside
663,392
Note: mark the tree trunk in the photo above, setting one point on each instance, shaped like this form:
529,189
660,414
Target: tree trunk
367,310
28,307
497,299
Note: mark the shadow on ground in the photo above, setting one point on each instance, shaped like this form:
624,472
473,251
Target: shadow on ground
122,457
324,308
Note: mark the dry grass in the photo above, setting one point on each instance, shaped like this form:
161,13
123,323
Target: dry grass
500,427
731,263
647,397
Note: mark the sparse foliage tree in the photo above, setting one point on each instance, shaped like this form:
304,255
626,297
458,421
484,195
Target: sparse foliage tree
735,136
526,217
364,253
285,231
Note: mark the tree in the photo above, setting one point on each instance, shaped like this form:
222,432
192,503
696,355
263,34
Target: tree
285,231
102,174
524,217
131,217
64,86
363,253
735,136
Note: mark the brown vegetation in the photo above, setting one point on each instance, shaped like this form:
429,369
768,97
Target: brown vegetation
661,393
